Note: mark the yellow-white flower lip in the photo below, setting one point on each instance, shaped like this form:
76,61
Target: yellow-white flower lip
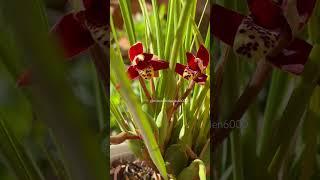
139,57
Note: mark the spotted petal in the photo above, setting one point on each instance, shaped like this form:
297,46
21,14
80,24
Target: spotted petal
73,37
135,50
253,41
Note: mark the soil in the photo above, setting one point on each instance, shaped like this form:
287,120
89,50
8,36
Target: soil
136,170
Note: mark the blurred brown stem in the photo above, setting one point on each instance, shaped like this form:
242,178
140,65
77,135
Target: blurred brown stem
153,89
144,88
175,106
250,93
100,60
218,84
191,153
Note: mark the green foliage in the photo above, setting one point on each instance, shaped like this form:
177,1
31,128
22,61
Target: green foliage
169,39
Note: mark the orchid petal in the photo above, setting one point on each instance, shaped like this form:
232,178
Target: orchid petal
293,57
266,13
192,61
132,72
297,13
201,79
96,12
147,56
180,68
203,54
135,50
225,23
158,64
306,6
89,3
73,37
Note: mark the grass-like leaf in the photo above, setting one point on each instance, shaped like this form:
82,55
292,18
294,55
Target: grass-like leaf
139,117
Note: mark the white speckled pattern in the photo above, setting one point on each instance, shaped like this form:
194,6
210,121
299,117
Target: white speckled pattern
253,41
100,35
189,74
146,73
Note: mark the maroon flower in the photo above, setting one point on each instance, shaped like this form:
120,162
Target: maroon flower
77,31
196,66
143,64
256,35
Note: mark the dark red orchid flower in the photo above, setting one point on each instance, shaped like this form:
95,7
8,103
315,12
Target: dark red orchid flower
143,64
256,35
195,70
77,31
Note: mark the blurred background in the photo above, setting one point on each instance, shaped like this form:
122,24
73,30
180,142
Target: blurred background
24,139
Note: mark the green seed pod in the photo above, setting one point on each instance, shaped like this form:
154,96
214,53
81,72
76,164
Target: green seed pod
162,124
176,157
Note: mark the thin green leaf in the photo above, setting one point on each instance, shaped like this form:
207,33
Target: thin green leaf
138,115
158,28
18,158
128,21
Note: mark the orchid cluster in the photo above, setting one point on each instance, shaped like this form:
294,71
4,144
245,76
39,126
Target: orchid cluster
147,65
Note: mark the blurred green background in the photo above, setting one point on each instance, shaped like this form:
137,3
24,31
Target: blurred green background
26,144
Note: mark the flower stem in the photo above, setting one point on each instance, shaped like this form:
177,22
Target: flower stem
176,106
184,96
191,153
176,94
250,93
99,58
144,88
218,84
153,89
